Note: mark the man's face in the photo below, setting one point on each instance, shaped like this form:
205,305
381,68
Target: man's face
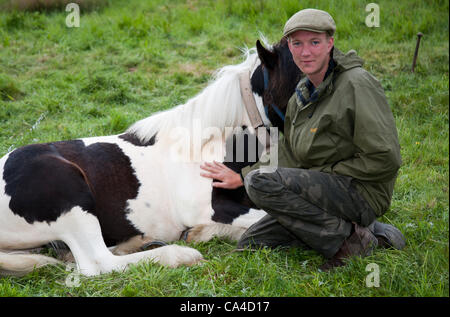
311,51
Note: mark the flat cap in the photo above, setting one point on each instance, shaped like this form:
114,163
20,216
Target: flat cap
310,20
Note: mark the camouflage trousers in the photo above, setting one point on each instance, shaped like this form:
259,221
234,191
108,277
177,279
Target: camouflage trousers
304,208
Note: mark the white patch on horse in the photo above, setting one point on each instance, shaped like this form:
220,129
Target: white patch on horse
248,219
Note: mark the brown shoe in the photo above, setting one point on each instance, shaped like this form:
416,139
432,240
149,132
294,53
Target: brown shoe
388,236
360,243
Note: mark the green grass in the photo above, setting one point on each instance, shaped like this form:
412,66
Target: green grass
130,59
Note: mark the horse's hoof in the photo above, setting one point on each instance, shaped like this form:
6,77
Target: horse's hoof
175,255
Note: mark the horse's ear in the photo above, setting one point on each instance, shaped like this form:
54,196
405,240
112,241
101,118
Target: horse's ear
267,57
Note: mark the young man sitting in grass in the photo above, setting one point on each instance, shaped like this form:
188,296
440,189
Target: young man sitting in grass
338,159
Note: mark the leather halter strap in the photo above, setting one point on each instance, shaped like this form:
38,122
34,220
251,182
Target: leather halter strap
252,110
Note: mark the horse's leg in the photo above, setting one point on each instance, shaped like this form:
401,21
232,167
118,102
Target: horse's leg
205,232
134,244
233,231
81,232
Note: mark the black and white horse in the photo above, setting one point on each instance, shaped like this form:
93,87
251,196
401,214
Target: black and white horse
107,196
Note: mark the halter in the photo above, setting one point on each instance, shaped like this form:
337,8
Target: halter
252,110
266,85
250,103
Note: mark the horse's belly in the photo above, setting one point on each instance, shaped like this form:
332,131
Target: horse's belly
171,198
172,195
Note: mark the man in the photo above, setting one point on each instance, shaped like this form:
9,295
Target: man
338,158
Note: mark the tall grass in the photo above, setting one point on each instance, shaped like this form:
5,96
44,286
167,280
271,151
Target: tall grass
129,59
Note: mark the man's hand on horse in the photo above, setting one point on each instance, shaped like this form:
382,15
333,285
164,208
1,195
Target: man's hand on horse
228,178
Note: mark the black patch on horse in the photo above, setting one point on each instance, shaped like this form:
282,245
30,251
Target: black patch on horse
133,139
42,186
47,180
230,204
257,81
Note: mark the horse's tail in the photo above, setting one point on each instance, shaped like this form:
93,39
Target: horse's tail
19,263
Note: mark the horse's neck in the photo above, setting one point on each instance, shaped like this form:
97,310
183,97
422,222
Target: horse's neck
217,107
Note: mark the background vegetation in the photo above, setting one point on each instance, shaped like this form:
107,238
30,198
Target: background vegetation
130,58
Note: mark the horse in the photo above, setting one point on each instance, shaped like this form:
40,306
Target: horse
106,197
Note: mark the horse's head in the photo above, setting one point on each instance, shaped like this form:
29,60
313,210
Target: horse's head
278,83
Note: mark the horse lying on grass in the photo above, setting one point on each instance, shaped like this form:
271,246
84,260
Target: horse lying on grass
105,197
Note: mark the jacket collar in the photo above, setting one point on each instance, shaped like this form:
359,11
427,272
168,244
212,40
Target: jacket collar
305,91
346,61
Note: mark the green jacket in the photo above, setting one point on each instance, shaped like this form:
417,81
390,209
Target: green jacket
348,130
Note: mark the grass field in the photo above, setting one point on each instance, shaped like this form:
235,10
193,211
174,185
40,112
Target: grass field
129,59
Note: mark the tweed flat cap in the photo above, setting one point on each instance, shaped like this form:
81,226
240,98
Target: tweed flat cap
310,20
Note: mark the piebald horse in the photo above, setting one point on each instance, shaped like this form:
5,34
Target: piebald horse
105,197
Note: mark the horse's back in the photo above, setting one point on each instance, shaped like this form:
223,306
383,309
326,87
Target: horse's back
44,181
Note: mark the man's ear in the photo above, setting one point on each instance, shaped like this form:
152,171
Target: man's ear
268,58
330,44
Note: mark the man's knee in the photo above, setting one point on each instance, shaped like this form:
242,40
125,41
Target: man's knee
249,180
258,184
257,181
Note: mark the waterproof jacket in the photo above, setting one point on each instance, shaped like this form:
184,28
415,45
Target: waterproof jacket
347,129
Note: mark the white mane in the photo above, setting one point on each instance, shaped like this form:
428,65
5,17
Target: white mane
219,105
